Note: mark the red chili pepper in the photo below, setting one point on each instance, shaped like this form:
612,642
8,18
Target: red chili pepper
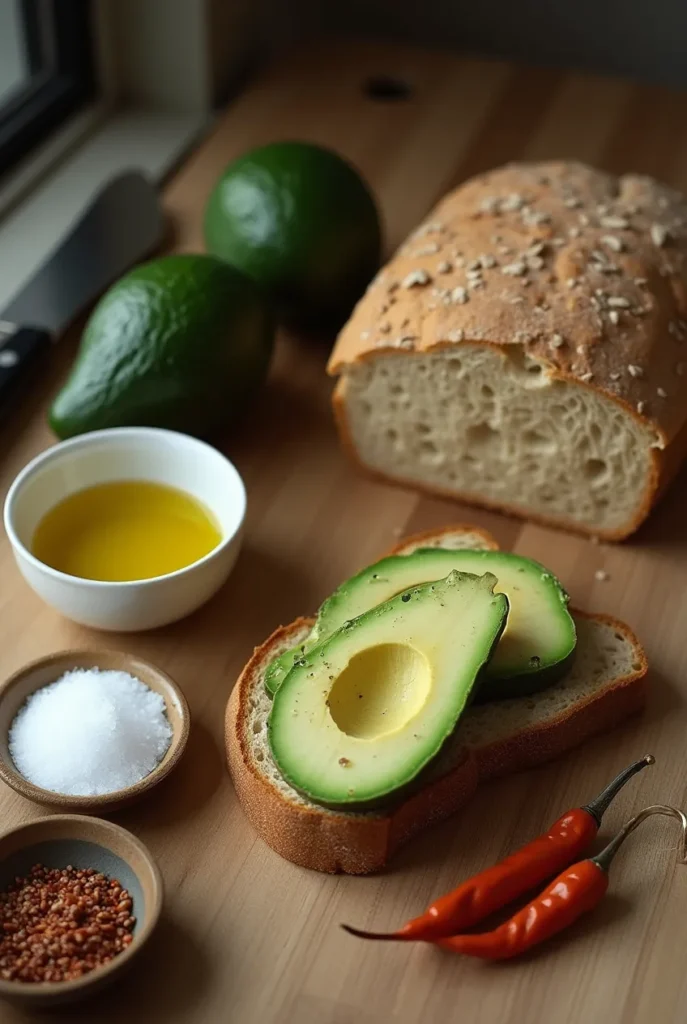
577,890
529,866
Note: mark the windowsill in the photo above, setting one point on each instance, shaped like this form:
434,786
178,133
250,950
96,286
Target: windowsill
147,140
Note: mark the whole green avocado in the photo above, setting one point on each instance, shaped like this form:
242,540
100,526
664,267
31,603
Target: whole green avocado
303,224
182,342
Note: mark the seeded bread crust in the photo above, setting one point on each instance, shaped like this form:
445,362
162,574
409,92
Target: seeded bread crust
586,272
333,841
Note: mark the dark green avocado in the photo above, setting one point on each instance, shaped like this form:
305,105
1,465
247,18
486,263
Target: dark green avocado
300,221
183,342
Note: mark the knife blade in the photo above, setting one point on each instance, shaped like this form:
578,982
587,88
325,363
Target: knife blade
122,225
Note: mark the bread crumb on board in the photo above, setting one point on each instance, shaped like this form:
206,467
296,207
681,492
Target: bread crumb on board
601,575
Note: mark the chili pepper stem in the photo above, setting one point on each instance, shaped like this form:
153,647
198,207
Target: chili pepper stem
603,859
600,804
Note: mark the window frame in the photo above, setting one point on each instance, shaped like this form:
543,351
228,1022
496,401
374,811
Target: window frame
55,93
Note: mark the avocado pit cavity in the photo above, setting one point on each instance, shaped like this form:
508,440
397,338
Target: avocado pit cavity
380,690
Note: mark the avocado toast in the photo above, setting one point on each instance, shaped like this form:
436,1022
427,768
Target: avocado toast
604,685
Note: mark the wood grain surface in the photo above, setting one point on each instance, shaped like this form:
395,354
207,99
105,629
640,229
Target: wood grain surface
247,937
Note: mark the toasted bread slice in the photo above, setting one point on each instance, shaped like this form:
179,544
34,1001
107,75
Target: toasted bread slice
604,686
457,537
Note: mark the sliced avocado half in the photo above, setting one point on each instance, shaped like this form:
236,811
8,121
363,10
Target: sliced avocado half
363,713
537,646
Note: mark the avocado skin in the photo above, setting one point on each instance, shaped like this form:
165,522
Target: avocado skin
182,342
523,685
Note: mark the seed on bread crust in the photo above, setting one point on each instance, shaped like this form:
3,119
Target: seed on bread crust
659,234
459,295
415,278
516,269
622,223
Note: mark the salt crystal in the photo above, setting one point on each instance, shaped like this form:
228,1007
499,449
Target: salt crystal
89,733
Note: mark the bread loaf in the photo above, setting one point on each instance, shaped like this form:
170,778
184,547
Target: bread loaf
526,349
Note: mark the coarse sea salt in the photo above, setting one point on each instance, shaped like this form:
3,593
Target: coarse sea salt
89,733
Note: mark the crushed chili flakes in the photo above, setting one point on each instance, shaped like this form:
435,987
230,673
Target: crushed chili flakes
57,924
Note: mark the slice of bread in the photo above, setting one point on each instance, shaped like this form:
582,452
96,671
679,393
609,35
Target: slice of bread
457,537
605,685
521,350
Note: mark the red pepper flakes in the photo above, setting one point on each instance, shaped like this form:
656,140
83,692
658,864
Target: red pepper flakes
58,924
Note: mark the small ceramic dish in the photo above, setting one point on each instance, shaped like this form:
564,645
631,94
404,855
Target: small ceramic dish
65,839
127,453
37,674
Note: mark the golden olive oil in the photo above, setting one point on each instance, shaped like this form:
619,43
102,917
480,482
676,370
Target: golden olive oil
126,530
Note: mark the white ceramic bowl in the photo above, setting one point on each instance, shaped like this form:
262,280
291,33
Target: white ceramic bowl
127,453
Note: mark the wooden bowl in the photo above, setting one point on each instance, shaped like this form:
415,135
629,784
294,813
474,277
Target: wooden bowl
37,674
83,842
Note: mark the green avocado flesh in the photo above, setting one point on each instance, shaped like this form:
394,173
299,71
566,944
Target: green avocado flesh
538,643
365,711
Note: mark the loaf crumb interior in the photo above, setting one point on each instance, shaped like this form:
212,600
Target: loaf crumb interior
491,423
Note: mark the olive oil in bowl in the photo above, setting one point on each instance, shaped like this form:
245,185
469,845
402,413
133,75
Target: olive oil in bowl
124,531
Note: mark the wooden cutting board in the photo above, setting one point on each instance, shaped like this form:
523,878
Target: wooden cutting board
248,937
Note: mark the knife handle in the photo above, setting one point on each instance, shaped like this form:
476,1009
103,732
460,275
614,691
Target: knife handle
22,351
